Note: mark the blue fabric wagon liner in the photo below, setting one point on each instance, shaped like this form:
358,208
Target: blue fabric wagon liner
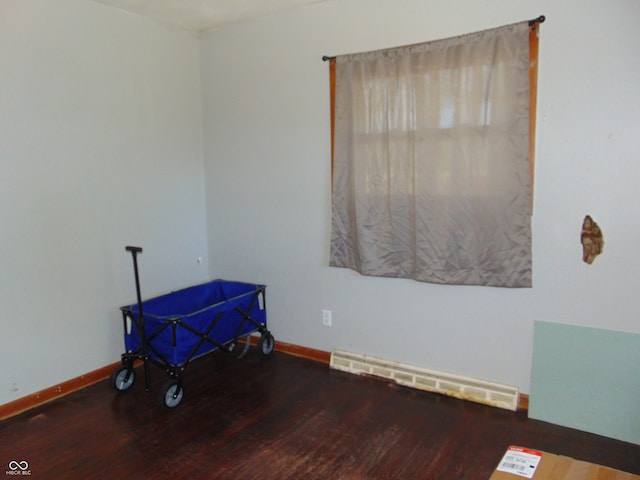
185,324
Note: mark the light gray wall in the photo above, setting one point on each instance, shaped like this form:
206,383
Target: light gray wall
100,147
267,162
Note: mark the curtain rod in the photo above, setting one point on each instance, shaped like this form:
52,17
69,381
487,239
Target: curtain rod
540,19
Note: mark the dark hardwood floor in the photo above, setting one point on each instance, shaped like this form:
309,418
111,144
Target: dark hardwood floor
281,418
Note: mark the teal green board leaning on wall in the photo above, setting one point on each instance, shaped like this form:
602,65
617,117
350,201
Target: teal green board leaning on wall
588,379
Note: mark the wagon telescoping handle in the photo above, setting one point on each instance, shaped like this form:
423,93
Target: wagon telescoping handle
134,254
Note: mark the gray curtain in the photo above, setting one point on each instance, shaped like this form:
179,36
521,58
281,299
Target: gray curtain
431,168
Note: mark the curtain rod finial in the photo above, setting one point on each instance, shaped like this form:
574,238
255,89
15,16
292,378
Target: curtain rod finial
540,19
325,58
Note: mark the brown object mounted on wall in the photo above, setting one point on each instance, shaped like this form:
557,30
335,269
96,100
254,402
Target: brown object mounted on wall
592,240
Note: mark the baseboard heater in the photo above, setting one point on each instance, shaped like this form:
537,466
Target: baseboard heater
480,391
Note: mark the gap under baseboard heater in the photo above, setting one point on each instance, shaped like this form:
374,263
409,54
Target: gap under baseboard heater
480,391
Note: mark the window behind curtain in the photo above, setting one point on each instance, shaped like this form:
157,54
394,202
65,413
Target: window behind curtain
431,176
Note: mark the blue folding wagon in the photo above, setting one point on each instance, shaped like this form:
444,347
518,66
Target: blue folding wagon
173,329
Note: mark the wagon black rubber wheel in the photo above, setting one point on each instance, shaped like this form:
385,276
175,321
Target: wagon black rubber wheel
171,394
266,344
122,378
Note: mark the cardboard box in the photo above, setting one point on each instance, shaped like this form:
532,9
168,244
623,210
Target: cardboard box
519,462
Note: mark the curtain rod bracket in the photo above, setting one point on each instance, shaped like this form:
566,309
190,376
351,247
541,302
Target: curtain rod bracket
540,19
325,58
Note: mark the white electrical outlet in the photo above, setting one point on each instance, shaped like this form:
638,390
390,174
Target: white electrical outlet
326,318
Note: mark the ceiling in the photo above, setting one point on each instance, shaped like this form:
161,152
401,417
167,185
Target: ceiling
199,15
